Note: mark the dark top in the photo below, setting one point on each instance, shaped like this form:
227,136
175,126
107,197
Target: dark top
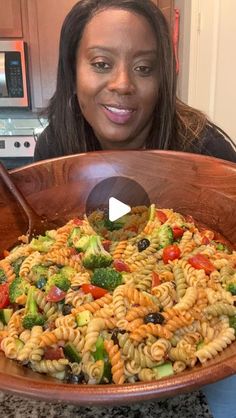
213,143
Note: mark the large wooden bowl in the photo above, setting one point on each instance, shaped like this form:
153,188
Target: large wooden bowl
191,184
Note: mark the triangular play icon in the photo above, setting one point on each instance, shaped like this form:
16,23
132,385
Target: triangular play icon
117,209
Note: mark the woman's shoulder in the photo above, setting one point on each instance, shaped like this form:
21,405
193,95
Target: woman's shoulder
215,142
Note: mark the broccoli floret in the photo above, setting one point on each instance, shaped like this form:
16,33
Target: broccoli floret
39,272
232,288
3,277
16,265
58,280
32,316
74,237
115,225
96,256
108,278
165,235
82,243
18,288
68,272
109,225
42,243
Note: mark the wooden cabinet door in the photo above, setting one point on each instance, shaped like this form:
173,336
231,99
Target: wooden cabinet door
45,21
10,19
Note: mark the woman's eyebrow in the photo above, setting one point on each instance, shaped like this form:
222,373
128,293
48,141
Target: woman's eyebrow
114,50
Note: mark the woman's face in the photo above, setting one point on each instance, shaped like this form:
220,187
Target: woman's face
117,78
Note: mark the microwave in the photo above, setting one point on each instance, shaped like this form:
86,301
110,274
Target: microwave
14,85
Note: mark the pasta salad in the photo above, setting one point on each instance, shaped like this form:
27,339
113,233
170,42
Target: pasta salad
97,302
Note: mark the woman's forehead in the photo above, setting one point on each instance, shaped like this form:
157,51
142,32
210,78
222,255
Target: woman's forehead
118,28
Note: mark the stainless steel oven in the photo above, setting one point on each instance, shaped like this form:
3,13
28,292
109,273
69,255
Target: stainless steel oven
14,85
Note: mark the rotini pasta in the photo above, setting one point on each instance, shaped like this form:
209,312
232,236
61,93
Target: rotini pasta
126,311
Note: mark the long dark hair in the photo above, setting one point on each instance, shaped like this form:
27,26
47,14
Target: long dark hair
174,124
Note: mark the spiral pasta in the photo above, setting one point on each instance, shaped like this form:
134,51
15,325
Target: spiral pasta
162,310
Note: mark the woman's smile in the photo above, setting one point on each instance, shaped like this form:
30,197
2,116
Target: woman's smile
118,115
117,77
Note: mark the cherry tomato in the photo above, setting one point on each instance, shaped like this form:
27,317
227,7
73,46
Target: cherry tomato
205,241
161,216
171,252
120,265
178,232
106,244
53,353
78,221
207,236
4,295
55,294
96,292
155,279
200,261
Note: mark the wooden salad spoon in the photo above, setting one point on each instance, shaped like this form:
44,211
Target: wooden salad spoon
37,225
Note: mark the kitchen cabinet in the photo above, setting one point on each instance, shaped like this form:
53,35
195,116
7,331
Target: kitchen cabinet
45,19
10,19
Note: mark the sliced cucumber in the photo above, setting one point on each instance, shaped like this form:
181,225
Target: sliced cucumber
101,355
19,344
5,315
200,345
100,352
232,322
83,318
164,370
107,375
71,353
105,372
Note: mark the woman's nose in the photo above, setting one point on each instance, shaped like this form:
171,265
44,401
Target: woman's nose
121,81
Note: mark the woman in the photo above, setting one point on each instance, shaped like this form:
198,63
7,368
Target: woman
116,89
122,94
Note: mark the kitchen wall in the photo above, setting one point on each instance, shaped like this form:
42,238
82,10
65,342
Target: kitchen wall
208,59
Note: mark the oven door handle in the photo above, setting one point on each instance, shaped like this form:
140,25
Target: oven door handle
3,81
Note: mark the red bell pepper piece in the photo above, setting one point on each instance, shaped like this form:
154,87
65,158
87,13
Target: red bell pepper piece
120,265
96,292
4,295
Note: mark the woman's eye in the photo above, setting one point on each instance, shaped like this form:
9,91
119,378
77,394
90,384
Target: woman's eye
101,66
144,69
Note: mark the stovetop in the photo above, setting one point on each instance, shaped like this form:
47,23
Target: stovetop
19,131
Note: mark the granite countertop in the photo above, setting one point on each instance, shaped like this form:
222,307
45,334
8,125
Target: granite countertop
184,406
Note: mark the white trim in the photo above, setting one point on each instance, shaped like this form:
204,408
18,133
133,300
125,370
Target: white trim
205,17
215,40
194,52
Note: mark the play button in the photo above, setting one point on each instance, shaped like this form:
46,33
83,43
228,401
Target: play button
117,209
